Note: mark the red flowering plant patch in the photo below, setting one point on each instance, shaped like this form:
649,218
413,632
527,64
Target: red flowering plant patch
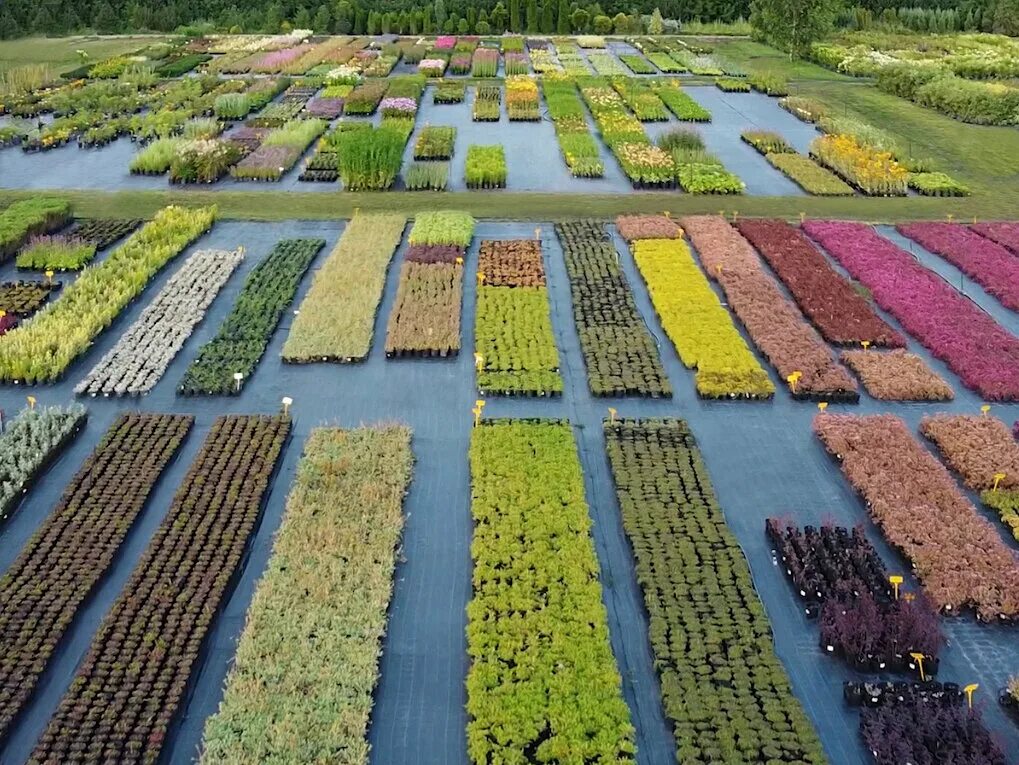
1005,233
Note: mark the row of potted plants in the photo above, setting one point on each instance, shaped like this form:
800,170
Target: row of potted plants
435,142
637,64
578,147
369,158
485,62
485,167
956,553
279,151
511,263
140,357
619,354
336,319
1005,233
449,92
516,63
281,111
425,319
134,678
774,324
29,217
698,325
897,375
840,313
536,618
873,172
442,228
841,579
75,545
244,335
24,298
808,175
55,252
28,444
642,100
949,325
264,698
513,335
42,349
606,64
679,103
364,99
986,262
237,106
102,232
984,453
522,99
724,691
487,105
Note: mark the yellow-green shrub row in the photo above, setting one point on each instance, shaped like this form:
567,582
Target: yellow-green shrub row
543,684
289,698
337,317
694,319
43,348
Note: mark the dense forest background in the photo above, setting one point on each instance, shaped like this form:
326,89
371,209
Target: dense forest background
22,17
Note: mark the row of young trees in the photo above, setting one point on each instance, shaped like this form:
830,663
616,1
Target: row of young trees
23,17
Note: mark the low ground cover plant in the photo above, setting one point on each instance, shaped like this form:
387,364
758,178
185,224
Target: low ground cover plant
985,455
346,610
897,376
620,357
442,227
724,691
642,100
841,314
337,317
192,559
511,263
957,554
732,85
949,325
426,176
937,184
774,324
1004,233
23,298
698,325
769,83
137,362
449,92
245,333
633,227
809,175
75,545
536,573
42,349
637,64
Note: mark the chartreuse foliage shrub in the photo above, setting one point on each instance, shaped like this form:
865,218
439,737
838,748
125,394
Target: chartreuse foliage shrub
543,684
337,316
331,575
43,348
724,690
442,227
700,328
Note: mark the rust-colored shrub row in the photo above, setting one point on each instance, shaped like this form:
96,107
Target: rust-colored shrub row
632,227
955,551
775,325
979,449
841,314
425,320
511,263
897,375
619,354
134,677
74,547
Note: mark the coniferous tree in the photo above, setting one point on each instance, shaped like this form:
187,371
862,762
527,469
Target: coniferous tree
514,16
563,20
533,20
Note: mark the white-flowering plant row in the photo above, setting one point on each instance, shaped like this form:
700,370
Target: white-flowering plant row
137,362
27,445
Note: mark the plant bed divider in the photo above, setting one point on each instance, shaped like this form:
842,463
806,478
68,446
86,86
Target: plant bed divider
841,314
724,691
147,713
620,357
774,324
699,327
949,325
245,333
75,545
956,553
347,614
42,435
542,676
336,319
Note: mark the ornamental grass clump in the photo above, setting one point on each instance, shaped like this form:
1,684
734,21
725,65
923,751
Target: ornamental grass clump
56,253
156,157
370,160
426,176
485,167
203,161
442,227
435,142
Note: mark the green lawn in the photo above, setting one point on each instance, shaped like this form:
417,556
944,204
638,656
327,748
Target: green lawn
284,205
61,52
754,56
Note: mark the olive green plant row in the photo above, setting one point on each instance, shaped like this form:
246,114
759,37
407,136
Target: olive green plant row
723,689
543,685
41,349
289,699
337,317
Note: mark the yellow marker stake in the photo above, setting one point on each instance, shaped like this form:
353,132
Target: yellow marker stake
479,361
477,416
612,414
998,478
49,276
2,314
481,278
735,215
480,403
793,379
822,405
865,344
31,402
459,261
985,409
803,217
969,693
719,269
537,233
666,213
919,663
950,217
896,580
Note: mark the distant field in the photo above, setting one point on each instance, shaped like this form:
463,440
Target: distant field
62,52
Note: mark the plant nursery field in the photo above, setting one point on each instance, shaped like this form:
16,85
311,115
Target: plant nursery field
562,457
